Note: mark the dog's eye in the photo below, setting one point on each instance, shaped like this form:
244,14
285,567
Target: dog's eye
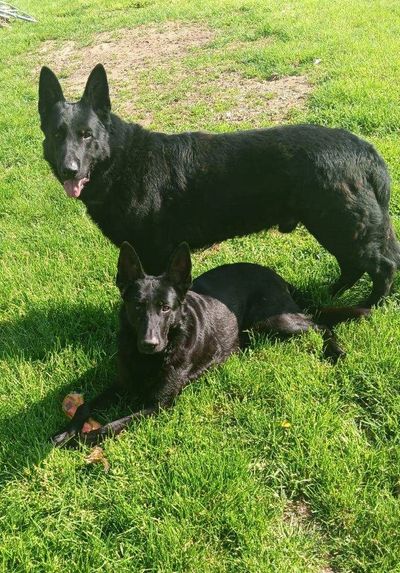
86,133
165,308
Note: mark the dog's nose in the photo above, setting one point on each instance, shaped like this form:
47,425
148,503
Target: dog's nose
149,345
70,169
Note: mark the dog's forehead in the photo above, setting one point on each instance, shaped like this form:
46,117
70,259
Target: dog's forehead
155,290
75,114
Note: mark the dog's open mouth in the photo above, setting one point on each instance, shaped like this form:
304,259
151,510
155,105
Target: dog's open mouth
73,187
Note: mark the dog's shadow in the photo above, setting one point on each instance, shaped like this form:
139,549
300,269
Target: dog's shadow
36,337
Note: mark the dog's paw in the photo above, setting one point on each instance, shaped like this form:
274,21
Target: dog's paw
94,437
72,439
62,439
333,355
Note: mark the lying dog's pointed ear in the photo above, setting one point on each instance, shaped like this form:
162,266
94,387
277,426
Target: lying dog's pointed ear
179,271
96,92
50,91
129,267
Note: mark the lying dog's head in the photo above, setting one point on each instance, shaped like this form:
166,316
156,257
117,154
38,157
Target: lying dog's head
153,304
76,134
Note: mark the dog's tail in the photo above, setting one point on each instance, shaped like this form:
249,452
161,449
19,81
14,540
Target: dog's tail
393,246
330,316
379,179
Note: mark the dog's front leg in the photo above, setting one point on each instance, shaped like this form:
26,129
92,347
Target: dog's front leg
83,412
112,428
163,399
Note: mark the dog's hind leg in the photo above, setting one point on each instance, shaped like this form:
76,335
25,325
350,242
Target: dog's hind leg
382,275
382,260
288,324
349,275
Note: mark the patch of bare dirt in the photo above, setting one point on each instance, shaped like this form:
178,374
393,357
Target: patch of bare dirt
228,96
247,99
125,52
296,513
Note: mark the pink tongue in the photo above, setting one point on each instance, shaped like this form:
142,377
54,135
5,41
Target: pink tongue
73,187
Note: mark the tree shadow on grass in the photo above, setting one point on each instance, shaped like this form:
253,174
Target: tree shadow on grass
25,436
34,338
44,330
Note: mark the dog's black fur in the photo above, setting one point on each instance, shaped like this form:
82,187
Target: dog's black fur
156,190
169,335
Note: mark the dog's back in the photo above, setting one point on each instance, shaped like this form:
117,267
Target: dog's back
245,287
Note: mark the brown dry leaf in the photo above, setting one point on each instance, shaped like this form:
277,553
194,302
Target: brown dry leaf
97,456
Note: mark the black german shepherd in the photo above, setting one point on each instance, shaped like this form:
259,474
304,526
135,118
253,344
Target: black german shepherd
171,333
156,190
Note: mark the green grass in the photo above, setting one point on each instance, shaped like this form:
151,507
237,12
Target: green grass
207,486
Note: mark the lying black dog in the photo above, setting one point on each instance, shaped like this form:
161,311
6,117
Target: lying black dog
156,190
169,335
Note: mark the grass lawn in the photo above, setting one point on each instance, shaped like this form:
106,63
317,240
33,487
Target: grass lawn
274,462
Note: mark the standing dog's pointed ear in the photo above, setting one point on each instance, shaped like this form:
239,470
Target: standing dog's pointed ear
97,92
179,271
50,91
129,267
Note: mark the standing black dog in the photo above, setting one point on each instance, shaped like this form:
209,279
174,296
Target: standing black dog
169,335
156,190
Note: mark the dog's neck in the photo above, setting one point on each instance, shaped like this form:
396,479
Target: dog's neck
130,137
181,331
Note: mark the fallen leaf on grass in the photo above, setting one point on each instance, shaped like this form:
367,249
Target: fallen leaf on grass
97,456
